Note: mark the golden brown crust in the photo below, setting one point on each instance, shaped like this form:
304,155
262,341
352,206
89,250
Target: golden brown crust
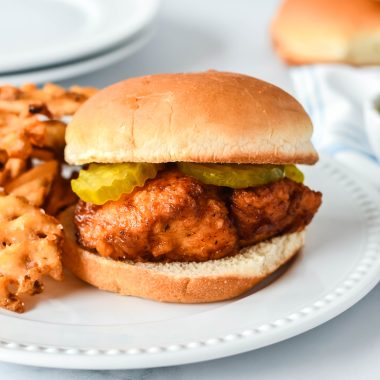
200,117
326,31
172,282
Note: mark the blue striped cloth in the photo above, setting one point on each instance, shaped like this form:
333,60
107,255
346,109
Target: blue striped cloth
334,97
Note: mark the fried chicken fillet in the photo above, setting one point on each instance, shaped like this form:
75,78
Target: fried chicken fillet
175,217
172,218
271,210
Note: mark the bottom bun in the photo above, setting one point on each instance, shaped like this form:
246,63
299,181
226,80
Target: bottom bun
191,282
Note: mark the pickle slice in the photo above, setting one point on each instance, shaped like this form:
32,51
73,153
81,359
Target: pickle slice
236,176
107,182
293,173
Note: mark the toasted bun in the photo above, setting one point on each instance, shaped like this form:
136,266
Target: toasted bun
214,280
200,117
328,31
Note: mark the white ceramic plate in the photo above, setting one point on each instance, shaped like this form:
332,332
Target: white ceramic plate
84,66
47,32
73,325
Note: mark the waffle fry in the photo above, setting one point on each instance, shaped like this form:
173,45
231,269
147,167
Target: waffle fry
34,185
52,99
86,91
10,167
31,155
15,167
48,134
60,197
29,117
15,142
30,247
3,161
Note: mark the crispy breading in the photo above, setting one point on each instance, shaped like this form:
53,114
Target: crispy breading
176,218
260,213
172,218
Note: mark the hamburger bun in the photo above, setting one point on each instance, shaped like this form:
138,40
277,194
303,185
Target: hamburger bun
323,31
200,117
209,281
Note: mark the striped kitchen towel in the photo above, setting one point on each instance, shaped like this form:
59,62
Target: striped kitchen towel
334,96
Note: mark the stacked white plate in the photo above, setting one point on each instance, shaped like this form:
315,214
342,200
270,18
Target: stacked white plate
50,40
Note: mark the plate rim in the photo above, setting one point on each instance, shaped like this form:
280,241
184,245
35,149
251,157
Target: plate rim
349,290
146,11
82,66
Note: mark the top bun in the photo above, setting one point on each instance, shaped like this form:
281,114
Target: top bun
309,31
200,117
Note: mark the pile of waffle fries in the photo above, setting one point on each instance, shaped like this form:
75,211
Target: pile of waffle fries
32,189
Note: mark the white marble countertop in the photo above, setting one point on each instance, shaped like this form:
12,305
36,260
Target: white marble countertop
233,35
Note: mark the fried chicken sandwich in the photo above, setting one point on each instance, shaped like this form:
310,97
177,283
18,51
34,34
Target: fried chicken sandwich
189,190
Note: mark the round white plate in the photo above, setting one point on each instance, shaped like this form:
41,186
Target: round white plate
73,325
84,66
46,32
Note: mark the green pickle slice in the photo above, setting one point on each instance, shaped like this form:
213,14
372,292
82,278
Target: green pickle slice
239,176
107,182
293,173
